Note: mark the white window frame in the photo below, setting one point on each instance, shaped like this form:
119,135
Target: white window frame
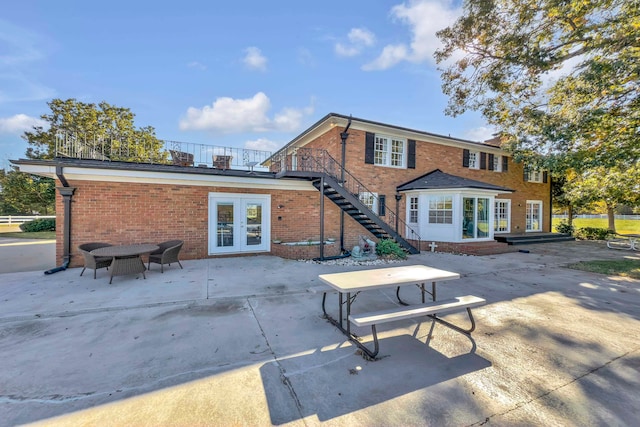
441,211
497,163
540,219
474,160
384,154
370,200
414,210
497,218
534,176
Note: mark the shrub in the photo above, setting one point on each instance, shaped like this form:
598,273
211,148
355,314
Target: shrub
40,224
565,228
592,233
389,248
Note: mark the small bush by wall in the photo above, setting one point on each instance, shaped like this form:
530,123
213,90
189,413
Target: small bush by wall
592,233
41,224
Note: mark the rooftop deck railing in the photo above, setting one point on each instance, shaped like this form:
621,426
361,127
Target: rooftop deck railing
157,151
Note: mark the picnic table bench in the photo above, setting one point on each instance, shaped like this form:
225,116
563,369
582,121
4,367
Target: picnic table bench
350,284
624,241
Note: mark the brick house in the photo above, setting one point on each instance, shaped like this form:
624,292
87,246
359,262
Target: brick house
377,180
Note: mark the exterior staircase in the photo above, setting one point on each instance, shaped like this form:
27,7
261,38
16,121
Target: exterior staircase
353,207
343,189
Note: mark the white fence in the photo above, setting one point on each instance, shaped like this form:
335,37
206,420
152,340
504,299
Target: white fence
599,216
10,219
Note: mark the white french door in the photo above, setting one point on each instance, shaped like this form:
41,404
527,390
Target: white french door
239,223
534,215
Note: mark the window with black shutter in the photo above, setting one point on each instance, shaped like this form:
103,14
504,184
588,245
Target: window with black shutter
382,205
483,160
505,163
491,160
465,158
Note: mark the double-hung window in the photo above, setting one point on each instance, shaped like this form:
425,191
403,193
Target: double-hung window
413,210
474,160
370,200
532,175
497,163
389,151
441,210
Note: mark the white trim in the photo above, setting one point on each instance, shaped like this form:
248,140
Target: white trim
508,213
540,213
168,178
239,200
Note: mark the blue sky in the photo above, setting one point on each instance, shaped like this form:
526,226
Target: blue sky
242,74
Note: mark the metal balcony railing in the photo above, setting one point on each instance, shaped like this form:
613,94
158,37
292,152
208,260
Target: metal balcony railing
320,161
158,151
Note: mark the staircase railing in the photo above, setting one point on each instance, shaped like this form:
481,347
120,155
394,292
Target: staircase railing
319,160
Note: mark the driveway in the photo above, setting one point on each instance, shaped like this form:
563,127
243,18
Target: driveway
241,341
26,254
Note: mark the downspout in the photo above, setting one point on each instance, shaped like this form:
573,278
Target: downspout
66,191
343,136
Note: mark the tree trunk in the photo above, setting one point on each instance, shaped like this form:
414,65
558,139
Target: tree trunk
612,218
570,215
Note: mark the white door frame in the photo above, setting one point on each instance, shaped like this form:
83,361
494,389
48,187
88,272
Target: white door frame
537,203
239,229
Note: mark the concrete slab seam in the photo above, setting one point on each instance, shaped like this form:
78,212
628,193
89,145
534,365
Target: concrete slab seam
285,380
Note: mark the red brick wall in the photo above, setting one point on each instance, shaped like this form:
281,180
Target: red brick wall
127,213
430,156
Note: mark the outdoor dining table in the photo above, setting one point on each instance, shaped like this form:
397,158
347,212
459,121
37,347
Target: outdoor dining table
126,258
350,284
626,241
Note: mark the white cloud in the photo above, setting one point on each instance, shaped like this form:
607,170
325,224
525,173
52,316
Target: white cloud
197,65
254,59
359,38
480,134
228,115
262,144
19,123
424,18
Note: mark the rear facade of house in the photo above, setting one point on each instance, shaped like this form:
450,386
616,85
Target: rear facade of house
340,179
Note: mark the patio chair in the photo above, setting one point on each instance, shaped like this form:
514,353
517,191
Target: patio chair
167,254
94,262
180,158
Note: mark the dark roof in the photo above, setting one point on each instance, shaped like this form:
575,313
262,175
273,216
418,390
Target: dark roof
438,180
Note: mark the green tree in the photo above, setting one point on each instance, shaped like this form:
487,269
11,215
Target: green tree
559,78
24,194
87,130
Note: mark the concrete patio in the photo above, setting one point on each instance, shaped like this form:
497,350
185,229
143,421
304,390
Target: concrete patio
242,341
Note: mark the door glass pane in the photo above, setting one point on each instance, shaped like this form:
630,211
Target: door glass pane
468,218
224,231
501,219
483,218
533,216
253,212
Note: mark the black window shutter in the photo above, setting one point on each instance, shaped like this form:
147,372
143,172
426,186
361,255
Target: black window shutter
369,147
411,155
491,159
381,205
526,173
483,160
465,158
545,177
505,163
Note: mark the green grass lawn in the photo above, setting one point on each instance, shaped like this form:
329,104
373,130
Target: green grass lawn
625,267
623,226
33,235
